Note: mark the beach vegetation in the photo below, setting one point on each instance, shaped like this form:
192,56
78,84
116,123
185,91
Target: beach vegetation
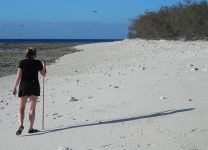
187,20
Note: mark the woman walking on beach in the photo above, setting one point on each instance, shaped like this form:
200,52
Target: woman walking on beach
29,87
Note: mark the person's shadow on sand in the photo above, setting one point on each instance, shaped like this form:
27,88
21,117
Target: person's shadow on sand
121,120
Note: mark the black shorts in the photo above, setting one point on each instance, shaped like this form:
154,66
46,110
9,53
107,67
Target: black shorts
28,88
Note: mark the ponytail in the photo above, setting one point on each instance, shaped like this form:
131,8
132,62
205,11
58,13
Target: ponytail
29,53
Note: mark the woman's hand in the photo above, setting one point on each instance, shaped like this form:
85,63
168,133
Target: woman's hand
43,72
14,91
18,77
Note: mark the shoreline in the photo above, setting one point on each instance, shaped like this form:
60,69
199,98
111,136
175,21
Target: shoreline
11,54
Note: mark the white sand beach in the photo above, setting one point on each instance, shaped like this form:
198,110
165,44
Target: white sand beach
129,95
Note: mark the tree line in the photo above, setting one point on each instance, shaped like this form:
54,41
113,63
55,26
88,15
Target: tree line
188,20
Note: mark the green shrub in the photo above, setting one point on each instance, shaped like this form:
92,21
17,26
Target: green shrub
188,20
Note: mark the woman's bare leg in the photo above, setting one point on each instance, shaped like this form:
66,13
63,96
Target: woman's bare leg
21,109
33,101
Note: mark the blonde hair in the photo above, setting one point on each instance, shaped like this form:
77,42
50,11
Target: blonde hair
29,53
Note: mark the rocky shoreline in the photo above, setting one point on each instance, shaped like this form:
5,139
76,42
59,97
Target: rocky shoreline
11,54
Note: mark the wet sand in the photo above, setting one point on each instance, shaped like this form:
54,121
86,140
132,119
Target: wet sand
11,54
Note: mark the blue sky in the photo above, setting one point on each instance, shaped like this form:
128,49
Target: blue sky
72,19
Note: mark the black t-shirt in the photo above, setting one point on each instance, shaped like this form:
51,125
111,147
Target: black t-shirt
30,69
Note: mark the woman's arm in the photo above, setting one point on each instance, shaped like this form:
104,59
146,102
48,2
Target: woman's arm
43,71
18,77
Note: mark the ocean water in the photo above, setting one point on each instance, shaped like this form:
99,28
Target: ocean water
56,41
